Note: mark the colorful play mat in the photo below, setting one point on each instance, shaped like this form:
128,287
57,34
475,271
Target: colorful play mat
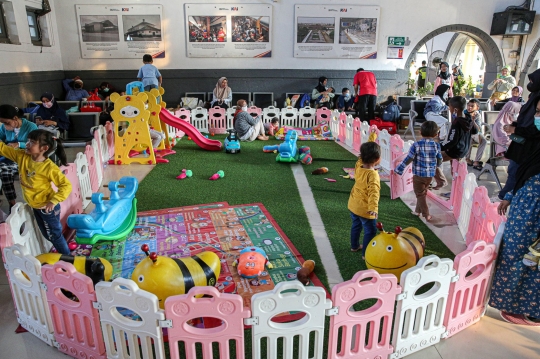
217,227
320,132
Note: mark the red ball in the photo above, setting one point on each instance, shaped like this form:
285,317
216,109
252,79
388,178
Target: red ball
189,138
72,246
145,248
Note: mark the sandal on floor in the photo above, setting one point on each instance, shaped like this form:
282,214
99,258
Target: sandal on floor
519,319
415,213
429,218
470,164
356,249
478,167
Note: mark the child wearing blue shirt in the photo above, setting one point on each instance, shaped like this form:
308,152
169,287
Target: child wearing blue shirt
149,74
426,156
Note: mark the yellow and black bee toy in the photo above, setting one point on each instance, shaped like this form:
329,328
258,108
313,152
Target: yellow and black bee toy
165,277
98,269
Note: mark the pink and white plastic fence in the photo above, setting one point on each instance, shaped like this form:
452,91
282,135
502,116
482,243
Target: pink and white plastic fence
323,114
217,120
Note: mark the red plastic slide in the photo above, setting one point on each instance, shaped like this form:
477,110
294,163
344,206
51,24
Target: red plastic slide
190,130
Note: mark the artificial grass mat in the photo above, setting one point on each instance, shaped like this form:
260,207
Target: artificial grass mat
250,176
332,199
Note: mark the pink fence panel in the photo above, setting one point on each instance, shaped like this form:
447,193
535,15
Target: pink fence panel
92,170
109,127
254,111
374,129
73,204
323,114
459,170
342,127
217,120
400,185
226,307
357,134
366,333
396,149
185,115
467,297
76,322
484,220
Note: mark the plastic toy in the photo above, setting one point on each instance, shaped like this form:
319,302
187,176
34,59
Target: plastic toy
303,273
395,252
251,262
306,158
320,171
219,174
287,151
166,277
232,144
114,216
185,174
304,150
98,269
190,130
330,180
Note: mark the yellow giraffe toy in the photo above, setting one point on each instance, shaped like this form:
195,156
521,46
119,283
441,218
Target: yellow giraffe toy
131,114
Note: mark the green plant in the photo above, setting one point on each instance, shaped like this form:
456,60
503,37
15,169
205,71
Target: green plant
410,87
469,89
458,85
423,91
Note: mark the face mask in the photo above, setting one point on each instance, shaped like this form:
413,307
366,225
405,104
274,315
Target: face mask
106,89
244,108
347,95
47,104
537,122
78,87
445,97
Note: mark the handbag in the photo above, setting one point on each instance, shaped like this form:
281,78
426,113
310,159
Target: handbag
189,102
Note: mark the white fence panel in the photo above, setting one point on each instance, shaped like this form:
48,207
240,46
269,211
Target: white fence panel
364,129
199,119
384,142
466,203
25,231
306,117
84,178
349,128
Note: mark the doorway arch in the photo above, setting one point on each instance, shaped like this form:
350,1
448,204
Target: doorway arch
530,59
492,54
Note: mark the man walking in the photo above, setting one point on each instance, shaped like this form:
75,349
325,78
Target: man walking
365,88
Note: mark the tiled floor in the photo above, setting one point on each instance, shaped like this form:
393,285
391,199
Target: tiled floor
490,338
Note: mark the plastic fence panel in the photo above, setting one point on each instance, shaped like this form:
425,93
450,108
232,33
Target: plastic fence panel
342,134
467,296
306,117
419,317
76,322
396,149
99,162
269,113
92,168
459,172
365,333
73,204
227,308
384,142
100,135
407,146
28,295
309,330
185,115
136,335
230,117
25,231
484,219
349,131
357,135
109,129
334,124
84,178
375,129
364,128
400,185
323,114
469,186
289,116
217,120
199,119
254,111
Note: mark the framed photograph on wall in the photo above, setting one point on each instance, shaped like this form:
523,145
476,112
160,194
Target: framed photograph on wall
228,30
120,31
336,32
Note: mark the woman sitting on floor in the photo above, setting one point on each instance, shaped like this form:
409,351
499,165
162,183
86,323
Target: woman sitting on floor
246,126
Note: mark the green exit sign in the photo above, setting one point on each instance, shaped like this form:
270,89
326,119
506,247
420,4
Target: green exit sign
396,40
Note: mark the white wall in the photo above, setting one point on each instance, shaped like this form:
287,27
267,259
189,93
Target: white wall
26,57
412,18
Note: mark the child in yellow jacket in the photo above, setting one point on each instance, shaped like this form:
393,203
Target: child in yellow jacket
37,172
364,198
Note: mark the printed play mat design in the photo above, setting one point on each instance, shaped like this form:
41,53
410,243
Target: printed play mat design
217,227
383,174
320,132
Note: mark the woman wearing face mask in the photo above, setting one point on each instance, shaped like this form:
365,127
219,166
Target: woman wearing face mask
322,94
14,132
246,126
105,90
524,134
74,89
516,283
444,78
435,107
50,114
222,95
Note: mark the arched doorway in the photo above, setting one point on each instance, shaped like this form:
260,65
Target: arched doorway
492,55
532,64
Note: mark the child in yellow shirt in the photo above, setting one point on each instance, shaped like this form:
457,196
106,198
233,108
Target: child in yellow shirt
364,198
37,172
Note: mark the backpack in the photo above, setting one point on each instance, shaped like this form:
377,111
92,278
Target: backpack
391,112
304,101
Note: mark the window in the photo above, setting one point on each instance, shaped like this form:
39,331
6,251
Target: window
33,25
3,29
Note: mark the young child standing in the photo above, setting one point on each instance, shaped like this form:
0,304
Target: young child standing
364,197
426,157
36,172
149,74
271,128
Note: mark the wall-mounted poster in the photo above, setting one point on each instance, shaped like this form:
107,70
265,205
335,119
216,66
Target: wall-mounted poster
339,31
228,30
120,31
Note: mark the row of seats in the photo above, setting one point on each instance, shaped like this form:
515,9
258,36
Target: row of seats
80,124
258,99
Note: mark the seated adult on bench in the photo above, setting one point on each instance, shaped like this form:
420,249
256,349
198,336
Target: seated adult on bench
246,126
50,116
14,132
74,89
222,95
323,95
436,106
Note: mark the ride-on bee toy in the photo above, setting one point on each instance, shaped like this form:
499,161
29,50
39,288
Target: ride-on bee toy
232,143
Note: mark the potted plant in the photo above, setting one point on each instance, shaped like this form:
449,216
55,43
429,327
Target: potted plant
423,91
469,89
410,87
459,85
